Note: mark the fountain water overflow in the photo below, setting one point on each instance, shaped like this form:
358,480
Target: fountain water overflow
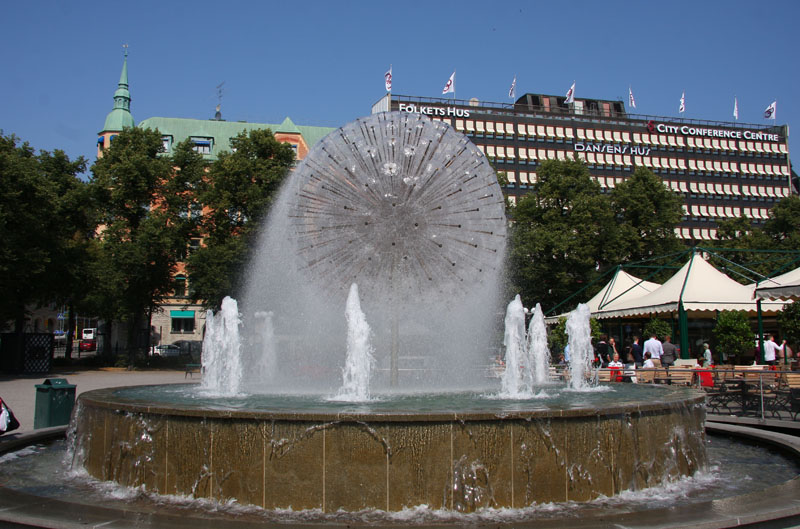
410,211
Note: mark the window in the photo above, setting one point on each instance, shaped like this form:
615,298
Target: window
202,145
166,143
179,286
182,321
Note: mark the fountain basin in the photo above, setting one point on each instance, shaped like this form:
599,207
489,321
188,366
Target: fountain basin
462,454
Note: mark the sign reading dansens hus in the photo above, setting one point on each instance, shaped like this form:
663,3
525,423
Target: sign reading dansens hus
434,111
689,130
609,148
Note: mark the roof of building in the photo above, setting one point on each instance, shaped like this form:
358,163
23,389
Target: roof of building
222,131
120,117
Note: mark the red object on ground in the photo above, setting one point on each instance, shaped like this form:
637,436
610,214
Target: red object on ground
706,378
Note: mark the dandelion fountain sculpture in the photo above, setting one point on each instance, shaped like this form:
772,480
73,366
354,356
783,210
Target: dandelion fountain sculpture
411,212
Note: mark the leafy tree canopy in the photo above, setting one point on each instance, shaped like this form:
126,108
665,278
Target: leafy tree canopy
144,231
563,235
733,335
647,213
42,226
240,187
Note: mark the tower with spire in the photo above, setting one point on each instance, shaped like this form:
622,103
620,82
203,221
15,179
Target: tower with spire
120,116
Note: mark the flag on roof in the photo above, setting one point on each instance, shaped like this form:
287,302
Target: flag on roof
450,86
735,108
682,107
512,92
631,100
769,113
570,94
387,78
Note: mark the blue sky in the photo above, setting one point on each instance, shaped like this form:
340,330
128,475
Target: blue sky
322,63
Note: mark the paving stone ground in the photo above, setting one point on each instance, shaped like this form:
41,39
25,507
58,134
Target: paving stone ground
19,391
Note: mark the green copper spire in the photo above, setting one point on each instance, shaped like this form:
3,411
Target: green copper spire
120,117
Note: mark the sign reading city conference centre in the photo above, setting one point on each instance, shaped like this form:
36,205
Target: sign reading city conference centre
689,130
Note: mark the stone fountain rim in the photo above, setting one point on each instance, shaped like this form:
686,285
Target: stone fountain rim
778,502
109,399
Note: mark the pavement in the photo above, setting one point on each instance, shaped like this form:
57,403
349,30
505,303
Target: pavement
19,391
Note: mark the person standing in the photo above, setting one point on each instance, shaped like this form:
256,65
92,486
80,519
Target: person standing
670,352
708,358
653,346
770,348
636,352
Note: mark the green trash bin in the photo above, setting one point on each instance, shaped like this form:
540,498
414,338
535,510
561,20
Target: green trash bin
55,398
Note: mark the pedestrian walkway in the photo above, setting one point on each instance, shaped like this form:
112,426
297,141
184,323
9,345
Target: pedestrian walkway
19,391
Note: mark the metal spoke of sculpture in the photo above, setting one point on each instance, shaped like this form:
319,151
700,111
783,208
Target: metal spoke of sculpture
395,199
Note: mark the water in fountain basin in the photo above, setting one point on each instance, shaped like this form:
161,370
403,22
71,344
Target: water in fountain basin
538,352
580,347
222,361
359,360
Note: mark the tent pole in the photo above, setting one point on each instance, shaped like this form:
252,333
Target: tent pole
760,332
683,325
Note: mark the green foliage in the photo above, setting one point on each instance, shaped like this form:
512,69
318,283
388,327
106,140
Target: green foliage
240,187
563,235
647,213
43,227
732,334
766,249
144,231
658,327
789,320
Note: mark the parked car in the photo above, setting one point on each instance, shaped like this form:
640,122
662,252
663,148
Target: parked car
89,333
166,350
88,345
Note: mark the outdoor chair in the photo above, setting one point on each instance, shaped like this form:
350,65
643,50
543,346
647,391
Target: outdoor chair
682,376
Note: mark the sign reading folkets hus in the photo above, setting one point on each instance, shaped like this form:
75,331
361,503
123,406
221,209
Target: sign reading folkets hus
715,133
434,111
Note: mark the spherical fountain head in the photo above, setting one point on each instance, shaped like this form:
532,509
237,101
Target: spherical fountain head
399,203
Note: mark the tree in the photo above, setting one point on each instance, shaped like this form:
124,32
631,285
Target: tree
143,232
732,334
647,213
68,279
564,234
657,327
239,189
783,225
42,228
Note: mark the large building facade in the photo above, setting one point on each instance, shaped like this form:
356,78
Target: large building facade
721,169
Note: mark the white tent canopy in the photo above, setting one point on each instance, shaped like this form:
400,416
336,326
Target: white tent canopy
699,286
622,287
785,286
